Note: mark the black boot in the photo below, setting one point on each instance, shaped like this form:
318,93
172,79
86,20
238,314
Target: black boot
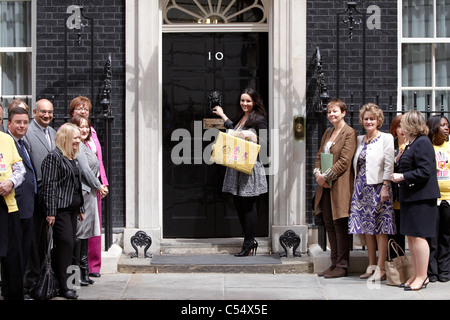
84,261
76,260
247,247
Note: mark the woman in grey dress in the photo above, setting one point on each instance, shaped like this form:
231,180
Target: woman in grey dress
90,182
250,125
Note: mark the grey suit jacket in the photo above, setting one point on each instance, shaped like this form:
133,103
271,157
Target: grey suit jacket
38,144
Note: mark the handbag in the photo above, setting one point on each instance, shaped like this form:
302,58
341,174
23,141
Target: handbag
398,269
47,286
235,153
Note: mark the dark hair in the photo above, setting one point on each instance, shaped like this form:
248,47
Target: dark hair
339,103
77,119
258,107
14,111
434,124
394,125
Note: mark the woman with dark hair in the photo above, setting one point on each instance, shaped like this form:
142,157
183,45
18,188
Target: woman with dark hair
335,186
90,183
400,144
250,125
82,106
439,265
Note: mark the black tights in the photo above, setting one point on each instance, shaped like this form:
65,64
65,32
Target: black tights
247,213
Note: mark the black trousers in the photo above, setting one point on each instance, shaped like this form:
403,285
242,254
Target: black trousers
27,239
38,250
64,235
12,272
246,208
439,265
337,231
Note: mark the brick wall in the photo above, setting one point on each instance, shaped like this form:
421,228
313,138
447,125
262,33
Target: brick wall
380,71
52,78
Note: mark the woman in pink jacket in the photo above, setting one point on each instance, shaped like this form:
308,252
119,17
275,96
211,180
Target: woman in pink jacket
82,106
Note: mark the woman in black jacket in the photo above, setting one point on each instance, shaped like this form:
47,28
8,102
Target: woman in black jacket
250,125
418,194
63,200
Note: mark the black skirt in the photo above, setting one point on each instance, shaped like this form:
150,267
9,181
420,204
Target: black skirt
418,218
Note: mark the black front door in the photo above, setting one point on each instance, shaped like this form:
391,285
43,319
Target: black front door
194,65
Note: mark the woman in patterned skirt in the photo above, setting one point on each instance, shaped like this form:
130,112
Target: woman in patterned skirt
250,125
371,210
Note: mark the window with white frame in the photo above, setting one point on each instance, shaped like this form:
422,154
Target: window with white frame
15,51
425,58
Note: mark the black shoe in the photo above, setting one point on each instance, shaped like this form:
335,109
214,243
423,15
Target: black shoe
69,294
423,286
248,247
85,277
95,275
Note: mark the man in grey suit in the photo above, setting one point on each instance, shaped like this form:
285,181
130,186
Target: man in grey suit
40,138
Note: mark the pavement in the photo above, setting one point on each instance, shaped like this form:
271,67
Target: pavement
249,286
223,277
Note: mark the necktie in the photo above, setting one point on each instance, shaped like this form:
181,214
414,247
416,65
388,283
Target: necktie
47,135
28,160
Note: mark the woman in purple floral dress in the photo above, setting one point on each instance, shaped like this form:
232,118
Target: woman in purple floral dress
371,210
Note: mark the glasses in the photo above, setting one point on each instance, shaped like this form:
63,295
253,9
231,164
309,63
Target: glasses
45,111
81,109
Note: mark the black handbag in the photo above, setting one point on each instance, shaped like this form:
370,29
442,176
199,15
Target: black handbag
47,286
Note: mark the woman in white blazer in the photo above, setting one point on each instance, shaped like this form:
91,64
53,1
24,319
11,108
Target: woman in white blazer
371,210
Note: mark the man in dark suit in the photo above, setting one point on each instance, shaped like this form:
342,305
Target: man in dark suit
18,120
40,138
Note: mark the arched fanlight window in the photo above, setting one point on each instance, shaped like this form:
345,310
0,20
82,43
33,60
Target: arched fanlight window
214,11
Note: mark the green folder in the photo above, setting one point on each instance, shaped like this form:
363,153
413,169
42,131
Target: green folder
326,162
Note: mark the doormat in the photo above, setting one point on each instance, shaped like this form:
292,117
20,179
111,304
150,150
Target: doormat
221,259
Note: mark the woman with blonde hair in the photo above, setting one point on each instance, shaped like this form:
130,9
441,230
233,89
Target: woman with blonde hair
418,194
371,210
63,200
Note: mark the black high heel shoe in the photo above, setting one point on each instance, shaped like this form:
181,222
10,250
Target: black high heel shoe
423,286
248,247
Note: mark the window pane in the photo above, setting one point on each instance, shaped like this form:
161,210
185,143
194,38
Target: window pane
15,23
442,65
416,65
418,18
16,71
215,11
442,100
417,99
443,18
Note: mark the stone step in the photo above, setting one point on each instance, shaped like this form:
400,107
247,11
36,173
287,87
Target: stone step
215,263
315,260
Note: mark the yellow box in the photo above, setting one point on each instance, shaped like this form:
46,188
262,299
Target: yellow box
234,152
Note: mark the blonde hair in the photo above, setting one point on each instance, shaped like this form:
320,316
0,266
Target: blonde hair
414,124
375,110
63,140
